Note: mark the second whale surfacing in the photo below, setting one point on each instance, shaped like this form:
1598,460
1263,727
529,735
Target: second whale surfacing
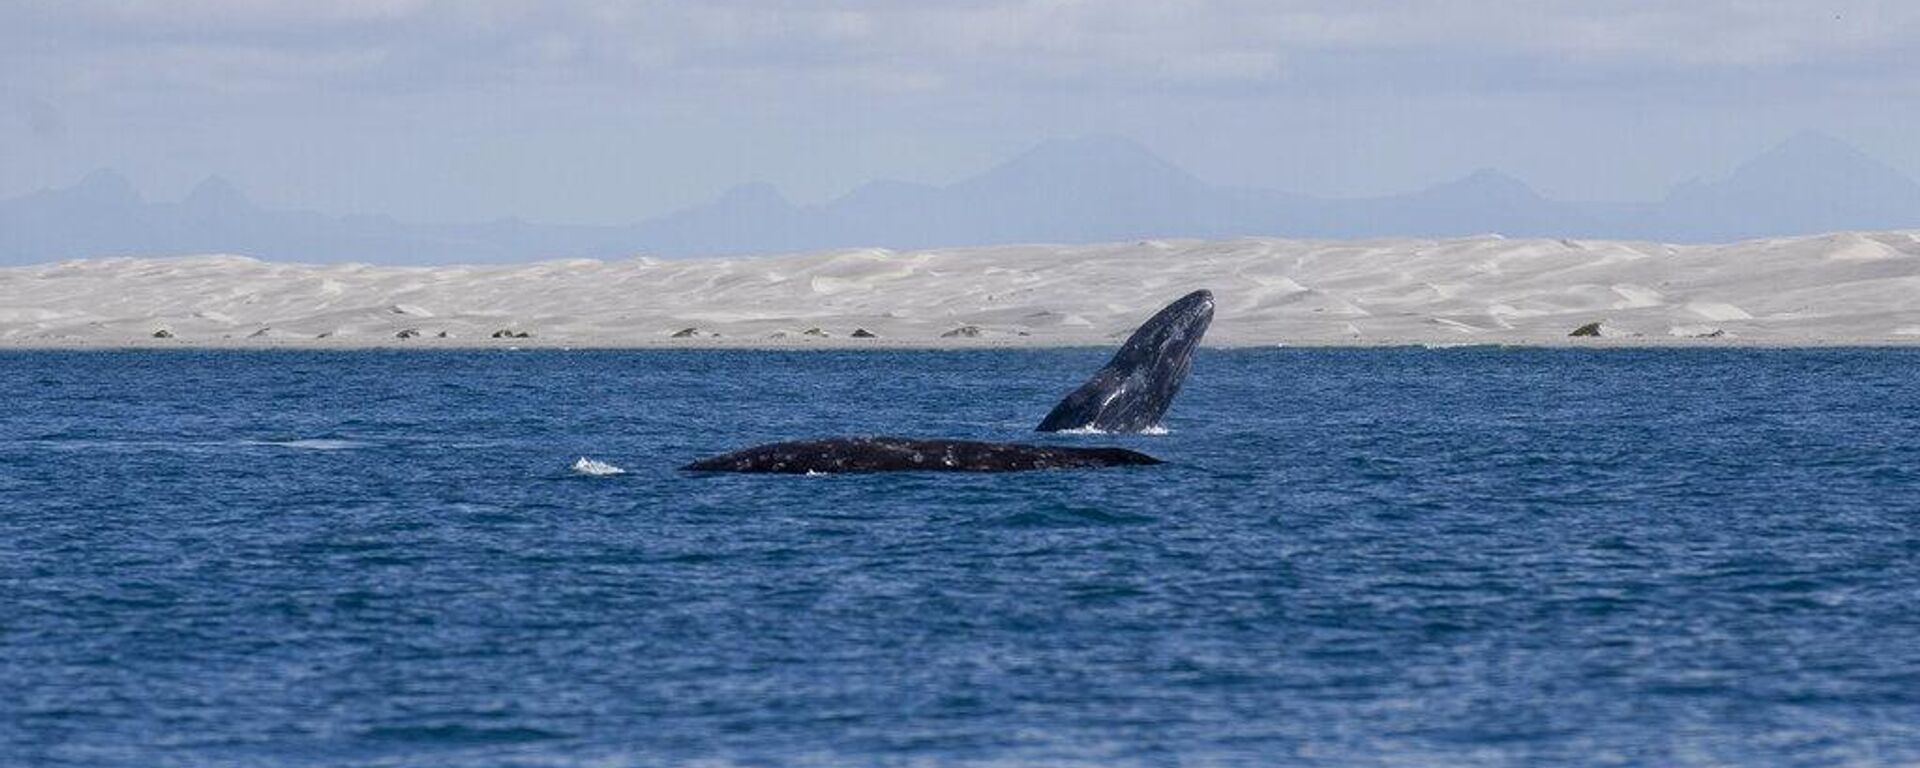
889,454
1130,394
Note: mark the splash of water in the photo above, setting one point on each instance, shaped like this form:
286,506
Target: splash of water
586,466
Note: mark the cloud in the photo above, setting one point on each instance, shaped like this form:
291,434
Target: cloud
664,101
238,13
890,47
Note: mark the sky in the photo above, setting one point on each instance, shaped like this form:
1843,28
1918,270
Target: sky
592,111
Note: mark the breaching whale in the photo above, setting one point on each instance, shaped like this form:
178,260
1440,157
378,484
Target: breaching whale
1130,394
1133,391
881,454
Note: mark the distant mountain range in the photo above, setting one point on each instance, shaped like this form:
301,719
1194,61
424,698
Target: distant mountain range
1066,191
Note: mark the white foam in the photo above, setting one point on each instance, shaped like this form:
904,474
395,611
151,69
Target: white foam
591,467
1153,430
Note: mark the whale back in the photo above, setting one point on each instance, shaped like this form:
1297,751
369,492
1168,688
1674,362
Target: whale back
1132,392
893,454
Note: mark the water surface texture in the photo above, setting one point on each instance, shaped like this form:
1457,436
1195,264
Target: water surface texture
1354,557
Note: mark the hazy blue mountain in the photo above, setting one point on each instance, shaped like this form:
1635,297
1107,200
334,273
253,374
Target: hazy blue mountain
1481,202
751,218
104,216
1063,190
1060,191
99,214
1810,183
1072,190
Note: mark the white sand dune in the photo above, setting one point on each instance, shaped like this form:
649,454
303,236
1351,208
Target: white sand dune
1827,289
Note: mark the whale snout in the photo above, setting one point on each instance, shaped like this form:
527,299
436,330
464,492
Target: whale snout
1194,311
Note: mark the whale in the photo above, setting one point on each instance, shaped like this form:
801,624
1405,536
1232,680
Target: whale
892,454
1132,392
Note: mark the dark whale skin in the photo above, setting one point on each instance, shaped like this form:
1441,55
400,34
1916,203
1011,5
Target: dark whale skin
1133,391
898,454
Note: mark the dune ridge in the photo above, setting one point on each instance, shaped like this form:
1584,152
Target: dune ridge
1840,288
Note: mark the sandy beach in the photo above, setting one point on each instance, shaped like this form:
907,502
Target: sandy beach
1843,288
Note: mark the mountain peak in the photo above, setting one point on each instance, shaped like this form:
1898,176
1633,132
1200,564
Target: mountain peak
1484,183
1809,183
1811,167
753,195
1815,144
105,186
1493,177
216,194
1097,159
1813,154
1093,146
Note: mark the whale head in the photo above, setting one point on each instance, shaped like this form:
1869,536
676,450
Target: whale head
1133,390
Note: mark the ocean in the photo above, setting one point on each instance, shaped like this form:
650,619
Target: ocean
1419,557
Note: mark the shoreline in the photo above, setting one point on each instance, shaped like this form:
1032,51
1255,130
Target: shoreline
881,345
1838,289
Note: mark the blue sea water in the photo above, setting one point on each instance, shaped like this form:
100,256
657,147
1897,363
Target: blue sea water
1353,557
